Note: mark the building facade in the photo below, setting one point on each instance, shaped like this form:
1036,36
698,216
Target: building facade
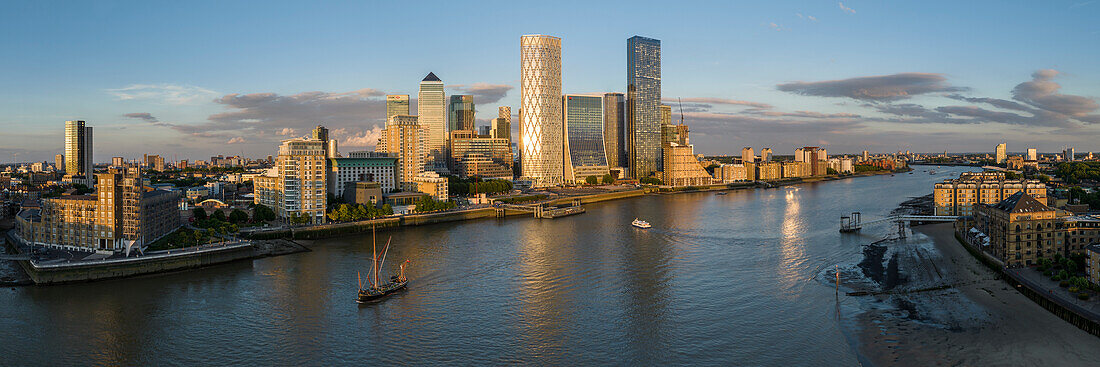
397,104
482,156
1001,152
431,108
747,155
432,184
78,149
541,131
1020,229
405,141
297,186
727,173
959,196
460,113
681,166
613,129
501,127
584,143
345,172
643,101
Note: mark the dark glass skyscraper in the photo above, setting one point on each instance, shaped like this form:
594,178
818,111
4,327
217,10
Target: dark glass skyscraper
461,113
584,143
613,129
643,116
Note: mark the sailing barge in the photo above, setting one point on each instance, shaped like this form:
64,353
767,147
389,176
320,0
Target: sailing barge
377,290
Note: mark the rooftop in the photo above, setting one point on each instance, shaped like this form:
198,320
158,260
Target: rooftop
431,78
1021,202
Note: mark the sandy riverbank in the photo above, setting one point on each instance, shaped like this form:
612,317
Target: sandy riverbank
977,321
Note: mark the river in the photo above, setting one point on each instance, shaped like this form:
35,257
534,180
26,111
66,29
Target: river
738,279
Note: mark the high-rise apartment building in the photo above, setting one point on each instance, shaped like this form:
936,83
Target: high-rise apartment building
540,115
1032,154
405,140
320,133
1068,154
816,157
502,125
584,144
643,99
59,162
681,167
1001,153
397,104
766,155
747,155
302,186
78,149
460,113
431,109
613,129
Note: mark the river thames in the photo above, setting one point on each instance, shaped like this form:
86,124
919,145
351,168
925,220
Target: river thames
738,279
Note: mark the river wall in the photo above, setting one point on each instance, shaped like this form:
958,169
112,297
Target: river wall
81,272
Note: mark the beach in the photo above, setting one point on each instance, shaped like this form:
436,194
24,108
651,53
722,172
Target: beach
947,309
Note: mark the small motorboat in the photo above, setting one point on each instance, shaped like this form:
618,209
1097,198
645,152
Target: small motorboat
722,193
640,223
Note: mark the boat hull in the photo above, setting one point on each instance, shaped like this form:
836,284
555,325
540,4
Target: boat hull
368,295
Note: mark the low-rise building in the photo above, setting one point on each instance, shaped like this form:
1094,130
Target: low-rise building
380,169
1092,263
727,173
1020,230
432,184
958,196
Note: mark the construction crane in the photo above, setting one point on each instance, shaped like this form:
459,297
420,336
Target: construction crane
681,102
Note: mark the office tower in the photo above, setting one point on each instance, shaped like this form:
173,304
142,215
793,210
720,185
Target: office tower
397,104
540,115
747,155
460,113
666,114
1032,154
643,98
405,140
613,129
59,162
431,109
1068,154
78,149
502,125
480,156
1001,153
766,155
584,145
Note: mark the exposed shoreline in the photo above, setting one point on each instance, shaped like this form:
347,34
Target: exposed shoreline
974,319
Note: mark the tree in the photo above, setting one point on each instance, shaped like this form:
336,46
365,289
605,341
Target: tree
218,215
591,180
238,216
649,181
198,213
261,213
608,179
387,209
831,171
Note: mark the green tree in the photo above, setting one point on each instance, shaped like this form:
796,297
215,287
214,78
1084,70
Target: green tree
831,171
238,216
608,179
218,215
649,181
591,180
387,209
198,213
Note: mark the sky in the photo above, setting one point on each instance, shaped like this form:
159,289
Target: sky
188,80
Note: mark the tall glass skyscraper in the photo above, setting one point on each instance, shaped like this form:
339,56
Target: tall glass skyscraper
643,93
397,104
78,149
584,143
613,129
431,109
460,113
540,113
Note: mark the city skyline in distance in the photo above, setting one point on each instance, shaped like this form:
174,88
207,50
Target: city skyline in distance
763,75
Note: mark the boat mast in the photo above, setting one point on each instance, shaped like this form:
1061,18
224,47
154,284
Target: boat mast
374,257
385,250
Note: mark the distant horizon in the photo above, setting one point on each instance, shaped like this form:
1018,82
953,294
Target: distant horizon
188,81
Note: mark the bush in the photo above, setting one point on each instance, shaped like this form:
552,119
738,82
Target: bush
1083,296
219,216
1063,284
591,180
649,181
238,216
608,179
198,213
1073,289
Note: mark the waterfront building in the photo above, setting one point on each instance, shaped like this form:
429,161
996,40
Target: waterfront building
613,129
502,125
1020,229
643,100
842,165
297,185
747,156
815,157
727,173
766,155
1080,231
1032,154
541,132
482,156
768,171
1092,263
432,184
78,149
397,104
122,215
584,144
345,172
1001,153
681,166
867,156
796,169
959,196
460,113
364,193
404,140
431,108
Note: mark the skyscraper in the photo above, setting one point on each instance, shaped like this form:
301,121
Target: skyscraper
59,162
584,145
643,98
613,129
320,133
397,104
747,155
460,113
404,138
431,109
540,114
1032,154
766,155
1001,153
78,149
502,125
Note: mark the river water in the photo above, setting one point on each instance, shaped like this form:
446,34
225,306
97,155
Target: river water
738,279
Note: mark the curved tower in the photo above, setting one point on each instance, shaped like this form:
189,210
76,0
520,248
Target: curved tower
540,114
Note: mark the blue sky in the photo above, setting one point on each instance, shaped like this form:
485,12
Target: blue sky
192,79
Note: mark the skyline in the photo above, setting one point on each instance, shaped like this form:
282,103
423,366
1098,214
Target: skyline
842,75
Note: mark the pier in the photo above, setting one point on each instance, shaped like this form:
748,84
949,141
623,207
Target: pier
542,211
853,222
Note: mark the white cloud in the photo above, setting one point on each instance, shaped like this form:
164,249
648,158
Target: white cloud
236,140
286,131
164,93
846,9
